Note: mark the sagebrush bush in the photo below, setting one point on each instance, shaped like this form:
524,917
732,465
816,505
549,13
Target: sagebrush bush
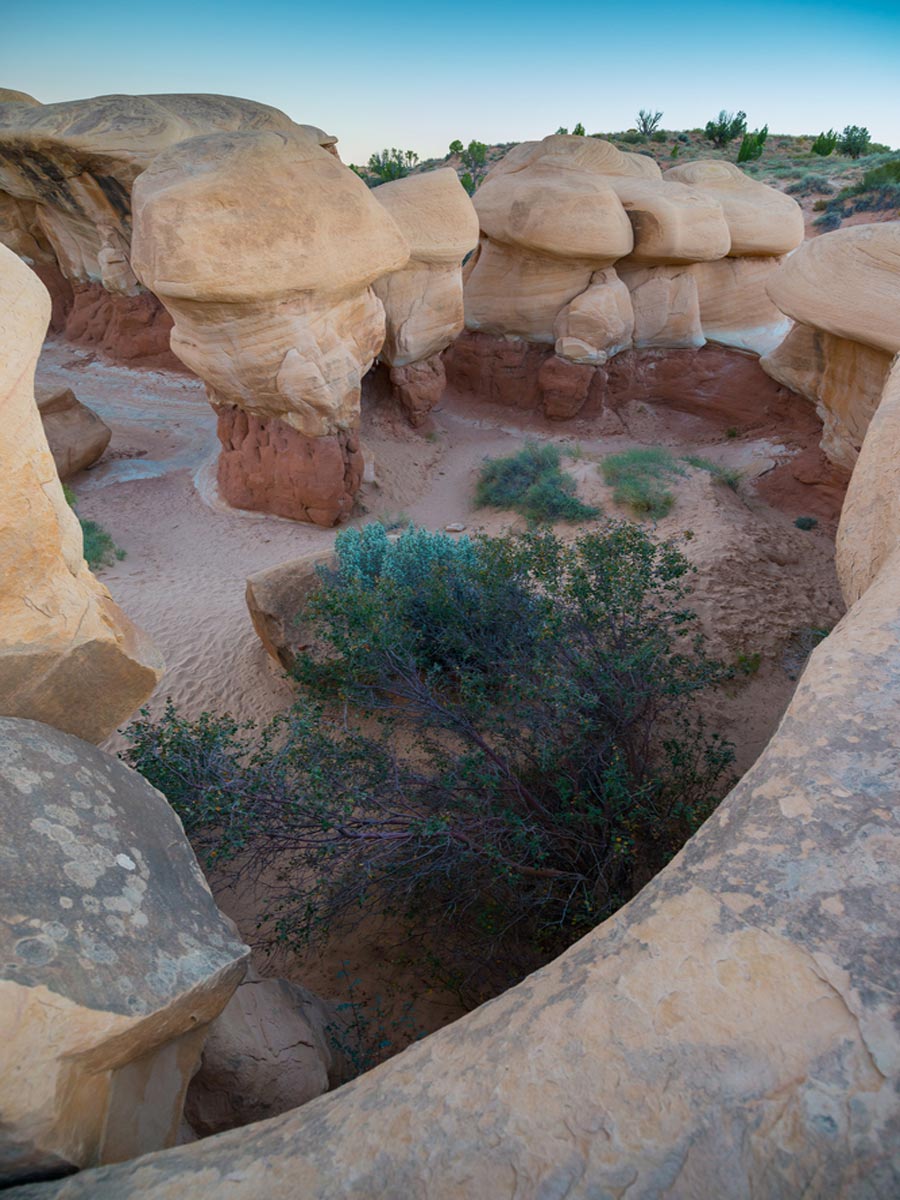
729,476
639,477
533,483
526,753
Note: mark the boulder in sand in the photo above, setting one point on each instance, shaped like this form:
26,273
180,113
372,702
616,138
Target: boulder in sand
75,434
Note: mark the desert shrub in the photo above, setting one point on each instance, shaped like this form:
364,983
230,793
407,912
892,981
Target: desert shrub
391,164
659,136
683,137
806,523
531,482
674,153
468,182
456,146
726,127
824,144
98,547
639,477
531,753
811,184
829,219
752,145
474,155
632,137
647,121
854,141
730,476
578,131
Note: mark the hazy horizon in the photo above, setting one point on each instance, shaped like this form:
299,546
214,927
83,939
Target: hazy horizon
416,79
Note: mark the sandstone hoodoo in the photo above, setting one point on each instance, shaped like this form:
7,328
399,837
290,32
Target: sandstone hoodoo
115,958
423,303
281,324
68,655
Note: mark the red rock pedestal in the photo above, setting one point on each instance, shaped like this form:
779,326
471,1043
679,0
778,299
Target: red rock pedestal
721,384
419,386
267,466
132,330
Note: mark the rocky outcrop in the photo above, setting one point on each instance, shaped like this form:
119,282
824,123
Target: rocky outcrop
842,290
281,323
271,1050
423,302
75,434
115,958
596,251
68,655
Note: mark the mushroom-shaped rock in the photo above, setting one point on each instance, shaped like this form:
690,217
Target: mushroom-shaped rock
564,219
843,289
66,174
761,220
68,655
115,958
75,434
423,302
263,247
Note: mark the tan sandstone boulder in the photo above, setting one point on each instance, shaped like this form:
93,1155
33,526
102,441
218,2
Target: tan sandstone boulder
271,1050
276,596
263,247
115,958
869,532
843,289
760,219
75,434
68,655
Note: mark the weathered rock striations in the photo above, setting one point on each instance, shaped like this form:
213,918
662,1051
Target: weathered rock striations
281,322
115,958
842,290
423,302
68,655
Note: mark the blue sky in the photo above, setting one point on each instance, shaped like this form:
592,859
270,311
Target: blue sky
417,75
